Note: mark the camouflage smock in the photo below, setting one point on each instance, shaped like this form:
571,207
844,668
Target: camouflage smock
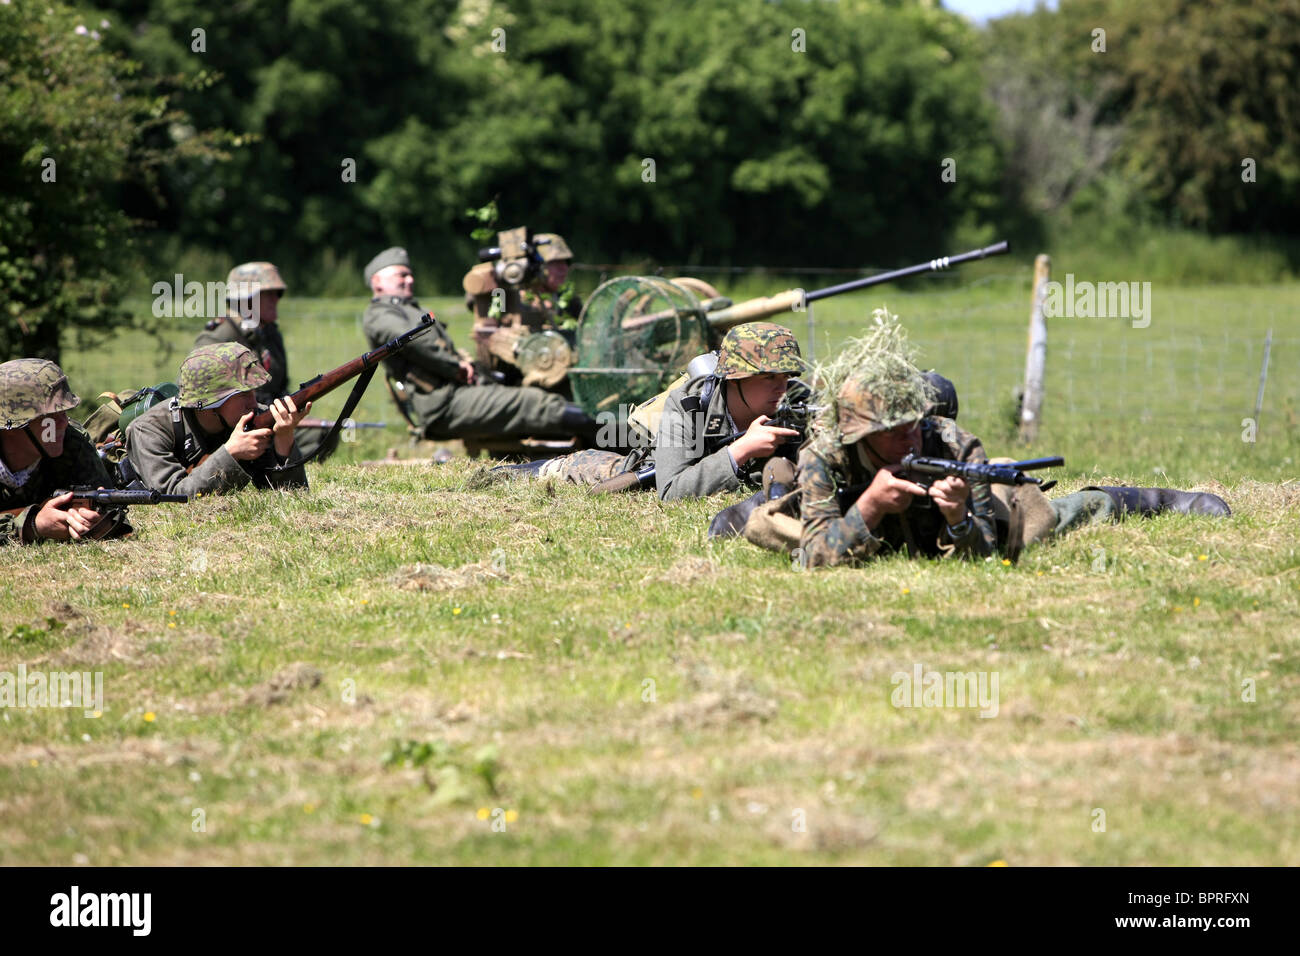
79,465
835,534
151,446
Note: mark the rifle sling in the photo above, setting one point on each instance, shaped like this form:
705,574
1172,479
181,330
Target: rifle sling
354,398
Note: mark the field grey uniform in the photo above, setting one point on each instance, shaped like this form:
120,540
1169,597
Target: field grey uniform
151,444
443,407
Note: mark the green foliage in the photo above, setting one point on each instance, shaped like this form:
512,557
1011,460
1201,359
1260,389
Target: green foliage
557,116
77,131
1181,97
28,634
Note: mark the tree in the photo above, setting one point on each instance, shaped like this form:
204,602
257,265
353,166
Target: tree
73,133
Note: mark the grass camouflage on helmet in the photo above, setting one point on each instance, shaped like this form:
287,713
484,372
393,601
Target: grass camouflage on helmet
872,385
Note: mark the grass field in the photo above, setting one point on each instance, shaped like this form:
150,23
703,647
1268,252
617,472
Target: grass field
403,666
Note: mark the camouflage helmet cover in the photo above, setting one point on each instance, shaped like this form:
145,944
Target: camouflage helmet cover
551,247
758,348
30,388
247,280
878,398
212,373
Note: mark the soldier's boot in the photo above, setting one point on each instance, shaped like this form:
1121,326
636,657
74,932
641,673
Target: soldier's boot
577,422
778,481
1153,501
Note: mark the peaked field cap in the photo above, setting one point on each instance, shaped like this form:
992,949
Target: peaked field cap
394,256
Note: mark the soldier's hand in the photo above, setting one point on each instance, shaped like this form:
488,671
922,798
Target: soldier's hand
887,494
950,495
761,440
59,520
467,373
287,415
250,445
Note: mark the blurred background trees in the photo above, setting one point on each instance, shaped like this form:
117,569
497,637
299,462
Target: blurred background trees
787,133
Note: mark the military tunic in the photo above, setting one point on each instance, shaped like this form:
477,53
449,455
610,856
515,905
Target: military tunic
79,465
441,405
151,445
267,344
690,453
834,531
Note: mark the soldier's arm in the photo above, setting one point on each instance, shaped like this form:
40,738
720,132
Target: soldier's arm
980,536
681,468
221,332
12,525
78,466
830,536
433,352
152,449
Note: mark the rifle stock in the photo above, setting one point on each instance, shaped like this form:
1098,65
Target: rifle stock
328,381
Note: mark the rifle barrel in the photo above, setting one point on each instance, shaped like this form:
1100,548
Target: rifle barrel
324,384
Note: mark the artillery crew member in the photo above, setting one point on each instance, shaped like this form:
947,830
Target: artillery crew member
716,431
253,292
438,388
196,443
41,452
506,311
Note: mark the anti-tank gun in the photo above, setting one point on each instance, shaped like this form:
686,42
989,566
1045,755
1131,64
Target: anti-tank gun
637,334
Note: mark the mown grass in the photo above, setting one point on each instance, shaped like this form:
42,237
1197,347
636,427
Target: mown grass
285,643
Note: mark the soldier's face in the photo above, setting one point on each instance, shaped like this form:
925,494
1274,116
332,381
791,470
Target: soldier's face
236,407
893,446
268,306
394,280
763,393
557,273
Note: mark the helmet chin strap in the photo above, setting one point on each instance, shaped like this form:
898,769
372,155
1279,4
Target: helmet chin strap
27,430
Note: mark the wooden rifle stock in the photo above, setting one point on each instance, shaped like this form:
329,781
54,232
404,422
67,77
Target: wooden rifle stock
325,383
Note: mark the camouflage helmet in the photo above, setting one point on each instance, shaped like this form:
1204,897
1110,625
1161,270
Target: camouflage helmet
30,388
551,247
212,373
879,397
758,348
247,280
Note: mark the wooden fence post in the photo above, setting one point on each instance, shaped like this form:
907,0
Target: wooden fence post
1031,402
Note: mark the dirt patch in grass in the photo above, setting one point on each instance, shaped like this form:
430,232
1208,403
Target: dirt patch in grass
684,571
434,577
278,689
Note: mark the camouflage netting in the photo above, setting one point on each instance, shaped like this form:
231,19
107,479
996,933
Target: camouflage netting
872,384
637,334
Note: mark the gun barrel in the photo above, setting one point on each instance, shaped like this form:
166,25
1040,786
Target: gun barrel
324,384
1031,463
797,299
934,265
119,497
